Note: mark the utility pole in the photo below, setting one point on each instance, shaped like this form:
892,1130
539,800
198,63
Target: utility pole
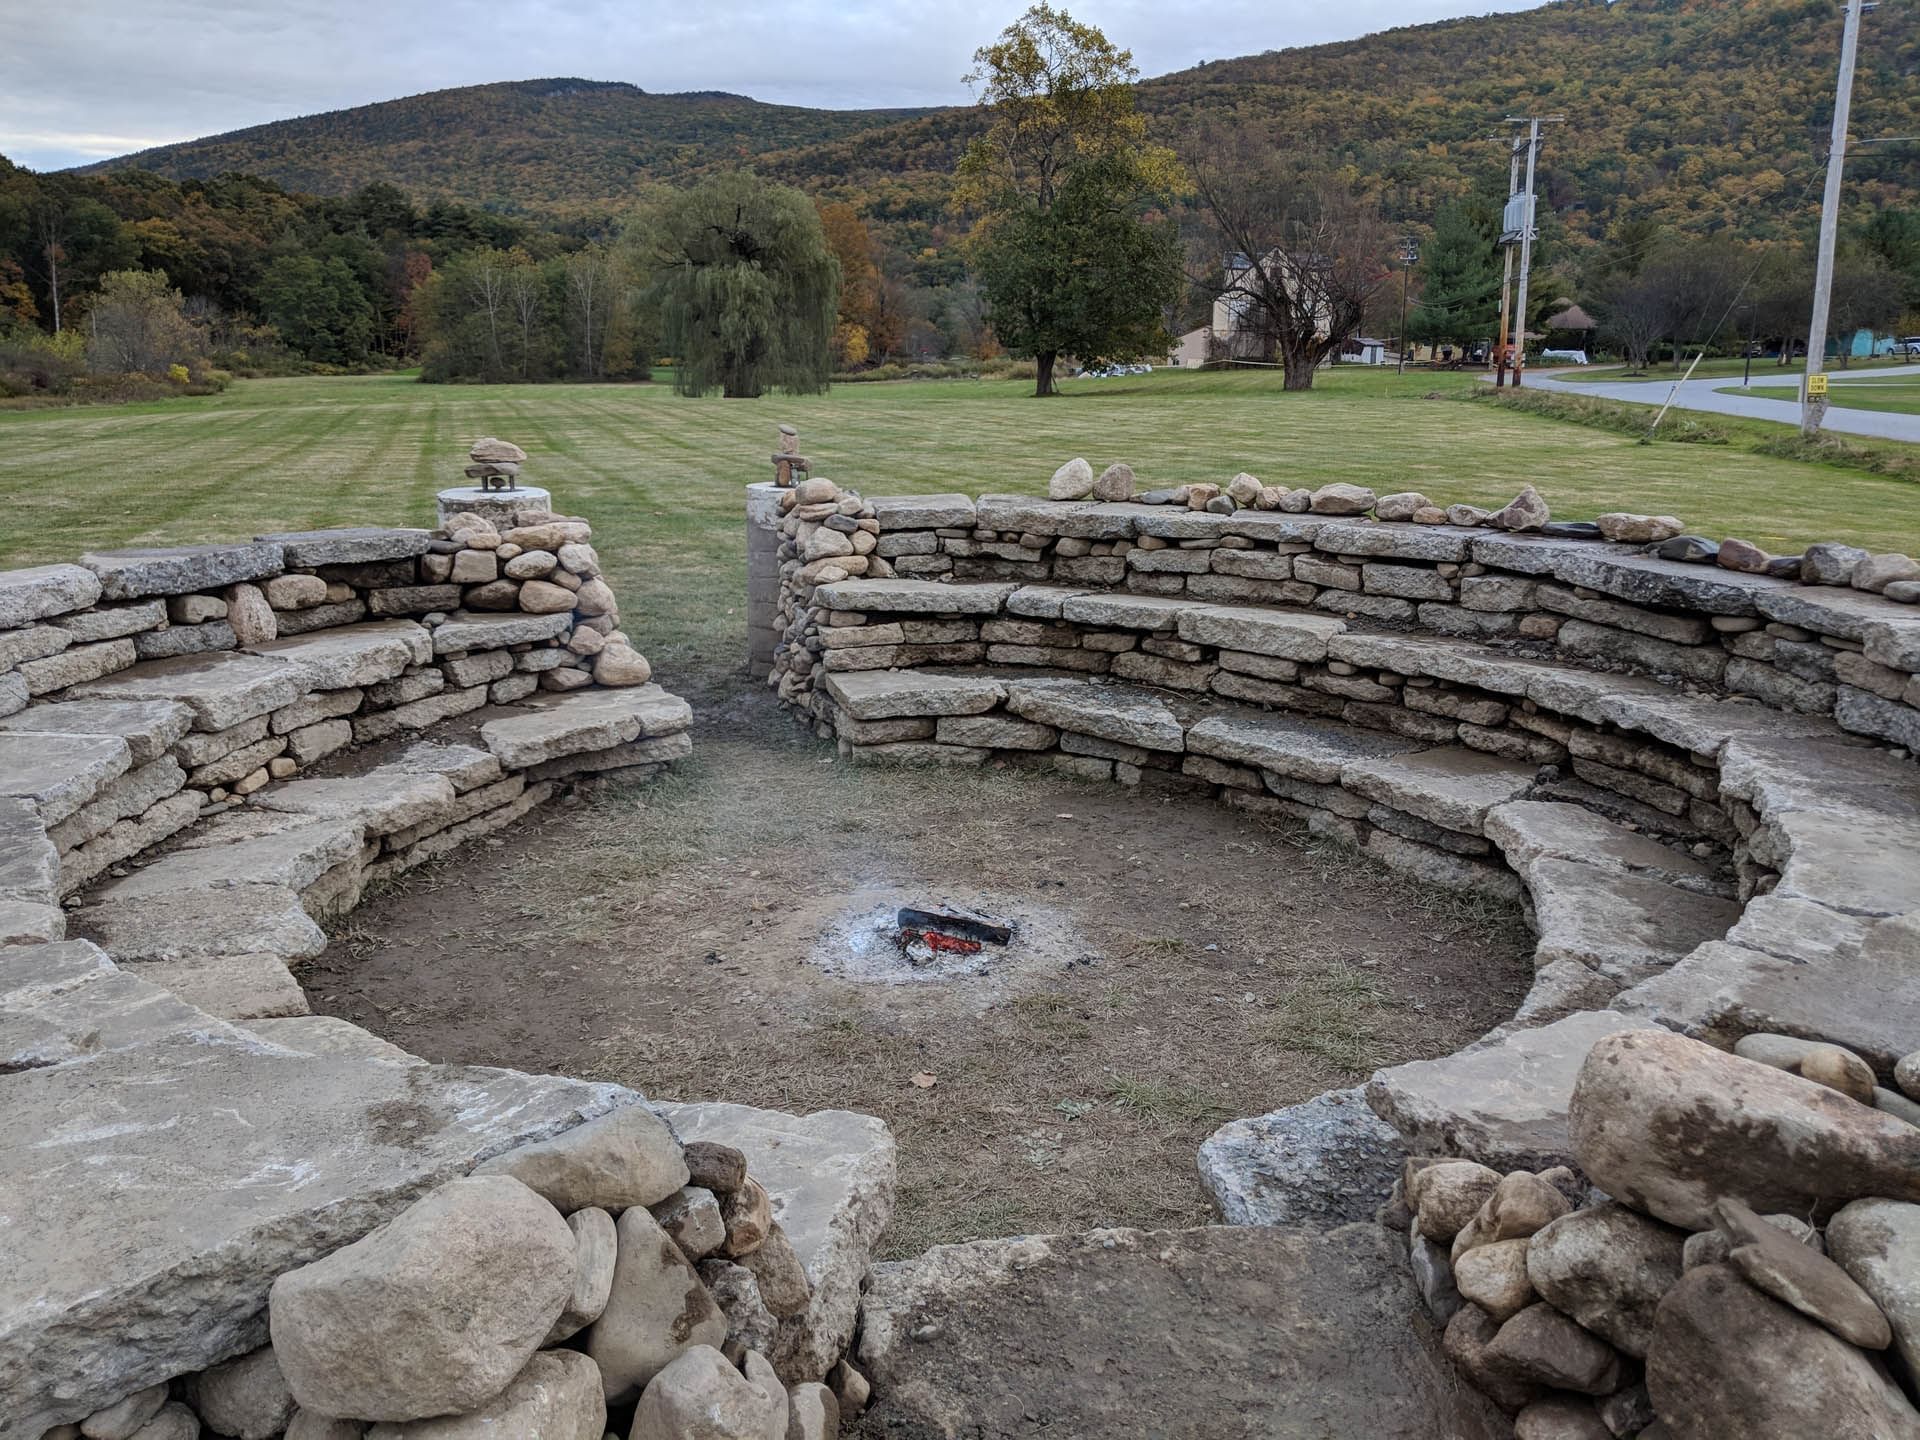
1813,387
1527,231
1506,270
1409,257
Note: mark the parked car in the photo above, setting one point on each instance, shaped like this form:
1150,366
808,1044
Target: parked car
1571,357
1910,346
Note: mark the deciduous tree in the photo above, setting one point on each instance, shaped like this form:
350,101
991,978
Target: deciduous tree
1067,248
744,285
1299,253
136,323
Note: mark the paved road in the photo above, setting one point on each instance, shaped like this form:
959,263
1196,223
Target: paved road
1723,397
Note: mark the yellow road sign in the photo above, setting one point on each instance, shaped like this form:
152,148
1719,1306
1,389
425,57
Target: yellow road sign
1816,384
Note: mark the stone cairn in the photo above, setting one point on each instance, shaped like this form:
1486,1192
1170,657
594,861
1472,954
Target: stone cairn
611,1270
543,564
496,464
1739,1258
826,535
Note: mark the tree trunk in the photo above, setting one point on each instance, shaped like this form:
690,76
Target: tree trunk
1298,361
1043,385
53,282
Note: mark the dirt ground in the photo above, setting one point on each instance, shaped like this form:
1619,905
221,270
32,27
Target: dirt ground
1179,964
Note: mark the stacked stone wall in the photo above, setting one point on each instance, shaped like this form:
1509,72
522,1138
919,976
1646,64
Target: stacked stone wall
1818,648
232,1216
287,651
1674,1195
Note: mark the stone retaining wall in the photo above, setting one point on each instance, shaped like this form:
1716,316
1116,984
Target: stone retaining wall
243,664
1695,769
229,1214
1819,648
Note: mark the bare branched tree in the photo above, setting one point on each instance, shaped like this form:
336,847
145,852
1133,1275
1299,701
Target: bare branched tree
1292,250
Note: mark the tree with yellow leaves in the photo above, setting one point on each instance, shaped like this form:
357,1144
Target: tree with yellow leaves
1066,247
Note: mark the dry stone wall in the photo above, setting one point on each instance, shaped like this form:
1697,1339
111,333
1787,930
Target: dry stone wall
141,690
232,1216
1674,1196
1816,644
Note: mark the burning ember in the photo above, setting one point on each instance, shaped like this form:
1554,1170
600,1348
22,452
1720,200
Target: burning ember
926,935
883,935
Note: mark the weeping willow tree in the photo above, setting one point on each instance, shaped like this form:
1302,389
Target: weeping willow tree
744,284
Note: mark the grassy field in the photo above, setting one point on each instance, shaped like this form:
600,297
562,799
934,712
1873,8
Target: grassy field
1899,396
660,475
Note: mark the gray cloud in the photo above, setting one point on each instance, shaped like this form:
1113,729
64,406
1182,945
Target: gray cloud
85,79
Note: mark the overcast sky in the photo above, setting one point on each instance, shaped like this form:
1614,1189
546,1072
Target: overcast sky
83,80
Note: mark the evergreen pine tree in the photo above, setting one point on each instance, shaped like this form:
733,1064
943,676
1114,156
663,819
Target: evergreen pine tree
1460,300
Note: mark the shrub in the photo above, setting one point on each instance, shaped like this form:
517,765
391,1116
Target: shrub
999,368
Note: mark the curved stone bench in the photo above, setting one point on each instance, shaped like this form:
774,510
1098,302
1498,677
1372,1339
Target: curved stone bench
1821,648
1686,855
167,688
204,753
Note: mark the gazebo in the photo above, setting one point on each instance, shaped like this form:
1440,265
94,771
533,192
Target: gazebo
1571,319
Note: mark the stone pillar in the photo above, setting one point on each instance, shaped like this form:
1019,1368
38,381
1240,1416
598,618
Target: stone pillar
763,574
497,505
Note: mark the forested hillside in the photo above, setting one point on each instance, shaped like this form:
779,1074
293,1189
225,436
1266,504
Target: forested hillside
1701,115
541,146
501,231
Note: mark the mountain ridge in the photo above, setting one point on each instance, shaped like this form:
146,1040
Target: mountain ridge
1704,115
606,138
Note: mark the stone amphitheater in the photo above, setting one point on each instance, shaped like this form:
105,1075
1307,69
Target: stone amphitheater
1676,1195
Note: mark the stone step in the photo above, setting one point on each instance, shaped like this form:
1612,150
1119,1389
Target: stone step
1623,927
1528,831
222,688
1702,724
417,790
1449,786
381,802
55,775
68,1001
892,694
347,545
1125,714
329,1035
354,655
1502,1101
1612,906
464,631
240,848
915,597
249,987
210,923
1315,751
157,1190
551,726
1792,968
150,727
1228,1333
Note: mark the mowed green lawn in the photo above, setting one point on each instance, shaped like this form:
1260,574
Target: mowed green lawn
660,476
1902,397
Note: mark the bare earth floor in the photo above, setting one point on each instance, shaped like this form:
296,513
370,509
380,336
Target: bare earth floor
1180,964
